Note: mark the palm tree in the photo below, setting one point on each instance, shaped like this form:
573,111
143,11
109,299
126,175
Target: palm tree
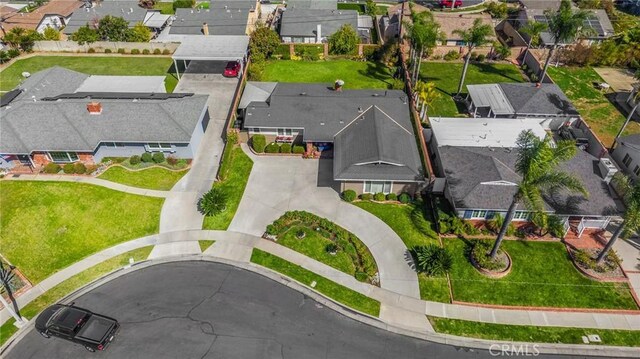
636,99
630,219
424,34
537,163
476,36
565,26
533,29
6,276
426,93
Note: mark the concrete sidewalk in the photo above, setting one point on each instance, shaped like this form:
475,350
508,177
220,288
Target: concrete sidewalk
89,180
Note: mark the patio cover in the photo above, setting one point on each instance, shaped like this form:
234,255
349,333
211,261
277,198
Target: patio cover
492,96
212,48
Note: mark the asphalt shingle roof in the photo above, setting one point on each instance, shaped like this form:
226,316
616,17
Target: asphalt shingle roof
304,22
129,10
528,98
312,4
230,21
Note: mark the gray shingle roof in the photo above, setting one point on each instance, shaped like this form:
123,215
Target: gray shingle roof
230,21
304,22
312,4
50,82
129,10
376,147
527,98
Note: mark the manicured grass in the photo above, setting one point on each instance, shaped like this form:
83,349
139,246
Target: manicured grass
446,76
239,167
92,65
165,8
600,114
542,275
527,333
325,286
355,74
47,226
79,280
360,8
152,178
204,244
402,218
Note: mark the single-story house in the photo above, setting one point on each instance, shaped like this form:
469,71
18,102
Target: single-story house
521,100
476,159
450,22
314,26
59,115
598,22
370,131
227,17
54,14
126,9
627,155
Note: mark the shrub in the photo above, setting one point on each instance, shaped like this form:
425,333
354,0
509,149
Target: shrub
258,143
146,52
272,148
157,51
90,169
480,253
433,260
172,160
298,149
68,168
166,52
397,84
79,168
332,248
134,160
366,196
404,198
587,260
91,50
379,196
481,57
183,4
452,55
51,168
147,157
349,195
285,148
107,51
13,53
121,51
392,197
135,52
495,223
213,202
158,157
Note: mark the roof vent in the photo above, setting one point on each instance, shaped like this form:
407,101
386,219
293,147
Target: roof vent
321,123
375,95
94,108
359,109
303,94
538,85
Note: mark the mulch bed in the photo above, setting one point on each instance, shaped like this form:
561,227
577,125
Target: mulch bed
615,274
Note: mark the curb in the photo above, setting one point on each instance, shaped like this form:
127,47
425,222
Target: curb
543,348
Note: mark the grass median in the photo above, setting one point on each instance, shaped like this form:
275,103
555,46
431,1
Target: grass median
331,289
155,178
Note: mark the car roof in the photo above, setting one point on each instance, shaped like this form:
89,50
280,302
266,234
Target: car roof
69,317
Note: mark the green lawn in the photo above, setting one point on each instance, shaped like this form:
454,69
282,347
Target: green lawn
79,280
205,244
542,275
446,76
526,333
402,219
355,74
165,7
325,286
238,166
92,65
600,114
152,178
47,226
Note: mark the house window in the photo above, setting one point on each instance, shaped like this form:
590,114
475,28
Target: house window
636,171
63,157
478,213
626,160
114,144
284,132
377,186
159,147
522,215
256,130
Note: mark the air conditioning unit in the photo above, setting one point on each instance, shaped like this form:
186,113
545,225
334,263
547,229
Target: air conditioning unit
607,169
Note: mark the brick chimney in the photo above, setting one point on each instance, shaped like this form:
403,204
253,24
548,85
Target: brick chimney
94,108
205,28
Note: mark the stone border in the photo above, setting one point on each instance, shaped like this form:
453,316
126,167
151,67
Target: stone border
623,279
488,273
481,344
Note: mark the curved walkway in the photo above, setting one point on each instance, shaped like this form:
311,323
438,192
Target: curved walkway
280,184
90,180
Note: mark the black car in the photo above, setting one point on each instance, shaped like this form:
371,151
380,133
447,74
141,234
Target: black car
78,325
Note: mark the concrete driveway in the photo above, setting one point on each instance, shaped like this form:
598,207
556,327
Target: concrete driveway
280,184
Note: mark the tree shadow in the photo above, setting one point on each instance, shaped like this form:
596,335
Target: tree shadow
491,69
378,71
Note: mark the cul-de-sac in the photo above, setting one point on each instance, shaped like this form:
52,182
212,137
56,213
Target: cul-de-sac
310,179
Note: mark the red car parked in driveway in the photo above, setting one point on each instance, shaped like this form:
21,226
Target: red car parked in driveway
448,3
232,69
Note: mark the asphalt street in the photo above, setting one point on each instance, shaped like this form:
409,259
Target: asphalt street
210,310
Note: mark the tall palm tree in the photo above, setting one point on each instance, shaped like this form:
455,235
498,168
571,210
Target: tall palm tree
537,163
477,35
636,99
426,93
424,33
533,29
630,219
6,276
565,26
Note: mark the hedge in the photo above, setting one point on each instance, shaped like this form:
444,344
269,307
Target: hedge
285,148
283,51
272,148
298,149
258,143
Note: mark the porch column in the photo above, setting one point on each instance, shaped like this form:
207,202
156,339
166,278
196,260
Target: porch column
175,64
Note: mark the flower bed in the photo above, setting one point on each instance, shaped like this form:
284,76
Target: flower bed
585,262
495,268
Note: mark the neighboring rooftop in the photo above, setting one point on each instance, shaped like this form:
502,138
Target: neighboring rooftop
631,141
212,48
541,4
129,10
483,132
31,20
220,21
599,23
130,84
312,4
449,22
304,22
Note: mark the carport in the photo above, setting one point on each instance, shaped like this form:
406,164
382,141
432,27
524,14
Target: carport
208,53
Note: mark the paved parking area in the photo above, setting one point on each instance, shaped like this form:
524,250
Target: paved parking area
209,310
618,79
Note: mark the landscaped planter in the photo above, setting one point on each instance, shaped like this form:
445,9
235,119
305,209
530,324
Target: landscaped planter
489,273
616,275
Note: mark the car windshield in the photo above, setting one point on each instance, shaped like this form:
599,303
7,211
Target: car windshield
57,315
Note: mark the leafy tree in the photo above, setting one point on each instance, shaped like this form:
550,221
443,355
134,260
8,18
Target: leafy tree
19,38
498,10
371,7
264,41
213,202
536,163
4,56
85,35
112,28
476,36
501,51
533,29
51,34
565,26
630,220
139,33
344,41
147,4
